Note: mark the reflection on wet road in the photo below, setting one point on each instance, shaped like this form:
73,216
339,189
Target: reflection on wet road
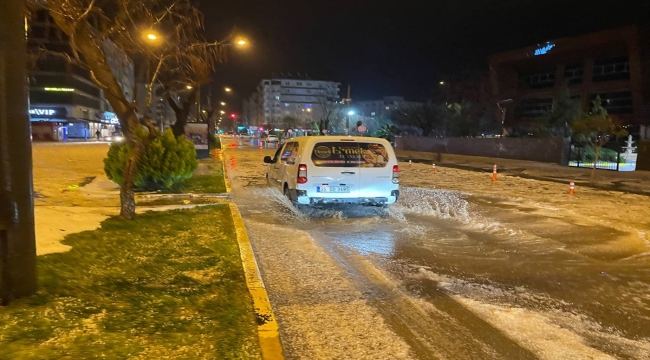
461,275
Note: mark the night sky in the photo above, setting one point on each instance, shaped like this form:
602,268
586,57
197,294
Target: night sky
387,48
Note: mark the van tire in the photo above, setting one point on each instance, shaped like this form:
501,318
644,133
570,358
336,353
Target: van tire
287,193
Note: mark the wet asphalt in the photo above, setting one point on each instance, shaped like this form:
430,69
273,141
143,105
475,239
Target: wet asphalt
453,275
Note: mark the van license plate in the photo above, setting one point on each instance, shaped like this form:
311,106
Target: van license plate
332,189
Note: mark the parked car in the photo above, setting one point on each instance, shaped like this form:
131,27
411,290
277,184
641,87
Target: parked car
272,138
314,170
114,137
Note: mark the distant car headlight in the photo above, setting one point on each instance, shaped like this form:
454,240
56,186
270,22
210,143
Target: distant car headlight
108,138
117,138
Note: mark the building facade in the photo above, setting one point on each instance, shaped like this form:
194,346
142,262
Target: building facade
378,108
64,101
303,99
613,64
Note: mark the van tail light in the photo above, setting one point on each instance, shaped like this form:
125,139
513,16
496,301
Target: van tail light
302,174
395,174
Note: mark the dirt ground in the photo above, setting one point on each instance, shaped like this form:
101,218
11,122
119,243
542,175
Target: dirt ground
72,193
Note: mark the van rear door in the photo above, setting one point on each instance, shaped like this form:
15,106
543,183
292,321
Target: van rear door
376,171
335,170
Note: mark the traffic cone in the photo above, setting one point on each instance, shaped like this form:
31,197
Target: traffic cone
571,188
410,163
494,172
433,167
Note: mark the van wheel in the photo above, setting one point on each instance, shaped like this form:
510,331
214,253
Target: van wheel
287,193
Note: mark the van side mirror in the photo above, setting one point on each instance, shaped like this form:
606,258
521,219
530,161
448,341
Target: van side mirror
268,160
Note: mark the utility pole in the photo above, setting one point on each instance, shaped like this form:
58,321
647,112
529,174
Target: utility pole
17,239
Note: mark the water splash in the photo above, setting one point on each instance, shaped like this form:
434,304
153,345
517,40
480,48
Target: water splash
443,204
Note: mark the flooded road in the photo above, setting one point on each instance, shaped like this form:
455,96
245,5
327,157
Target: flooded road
446,274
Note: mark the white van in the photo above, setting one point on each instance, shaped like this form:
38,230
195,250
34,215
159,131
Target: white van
335,170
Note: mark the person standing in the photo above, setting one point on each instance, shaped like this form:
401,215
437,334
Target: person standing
98,134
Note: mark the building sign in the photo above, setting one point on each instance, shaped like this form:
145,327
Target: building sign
59,89
544,49
110,117
41,112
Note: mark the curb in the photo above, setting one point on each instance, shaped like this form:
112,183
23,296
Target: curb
267,328
225,171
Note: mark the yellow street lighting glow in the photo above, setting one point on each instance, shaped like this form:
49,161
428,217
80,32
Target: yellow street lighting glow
59,89
228,89
152,36
241,42
223,103
189,87
223,112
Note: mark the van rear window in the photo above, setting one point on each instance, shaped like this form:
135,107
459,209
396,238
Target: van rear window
349,154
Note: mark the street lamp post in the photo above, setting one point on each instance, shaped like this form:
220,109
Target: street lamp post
501,104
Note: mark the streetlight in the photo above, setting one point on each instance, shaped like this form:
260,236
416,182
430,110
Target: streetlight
189,87
228,89
241,42
223,103
442,83
350,112
152,36
222,112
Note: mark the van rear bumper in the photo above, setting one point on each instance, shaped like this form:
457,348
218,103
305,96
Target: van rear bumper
305,200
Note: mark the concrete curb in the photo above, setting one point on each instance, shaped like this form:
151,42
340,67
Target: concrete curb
267,328
183,196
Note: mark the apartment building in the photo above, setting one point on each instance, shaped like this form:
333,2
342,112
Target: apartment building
302,98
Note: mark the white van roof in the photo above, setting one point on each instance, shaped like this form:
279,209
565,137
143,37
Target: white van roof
337,138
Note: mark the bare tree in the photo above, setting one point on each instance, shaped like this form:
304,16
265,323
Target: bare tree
426,117
161,36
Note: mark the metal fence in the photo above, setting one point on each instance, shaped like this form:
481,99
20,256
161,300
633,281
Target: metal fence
584,156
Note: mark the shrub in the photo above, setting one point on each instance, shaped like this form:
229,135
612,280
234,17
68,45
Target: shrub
588,154
167,161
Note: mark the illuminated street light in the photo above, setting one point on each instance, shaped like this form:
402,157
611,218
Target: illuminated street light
241,42
228,89
189,87
222,112
350,112
223,103
152,36
442,83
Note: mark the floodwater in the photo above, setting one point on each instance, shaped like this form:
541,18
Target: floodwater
443,274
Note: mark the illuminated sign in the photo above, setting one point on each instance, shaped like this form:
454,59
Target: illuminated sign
59,89
42,112
544,49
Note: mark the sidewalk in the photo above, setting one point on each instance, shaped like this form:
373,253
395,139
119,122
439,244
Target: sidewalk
635,182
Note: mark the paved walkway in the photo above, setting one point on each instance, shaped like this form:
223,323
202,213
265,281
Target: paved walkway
636,182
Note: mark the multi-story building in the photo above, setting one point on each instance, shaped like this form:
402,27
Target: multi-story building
301,98
613,64
64,102
159,112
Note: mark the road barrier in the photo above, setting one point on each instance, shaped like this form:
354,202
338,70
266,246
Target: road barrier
494,172
571,188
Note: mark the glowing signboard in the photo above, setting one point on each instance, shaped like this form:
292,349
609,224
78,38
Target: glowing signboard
544,49
59,89
42,112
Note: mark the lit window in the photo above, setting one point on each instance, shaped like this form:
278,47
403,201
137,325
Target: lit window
372,113
387,108
277,97
286,104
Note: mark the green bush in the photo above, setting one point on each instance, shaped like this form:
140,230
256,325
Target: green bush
588,154
167,160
